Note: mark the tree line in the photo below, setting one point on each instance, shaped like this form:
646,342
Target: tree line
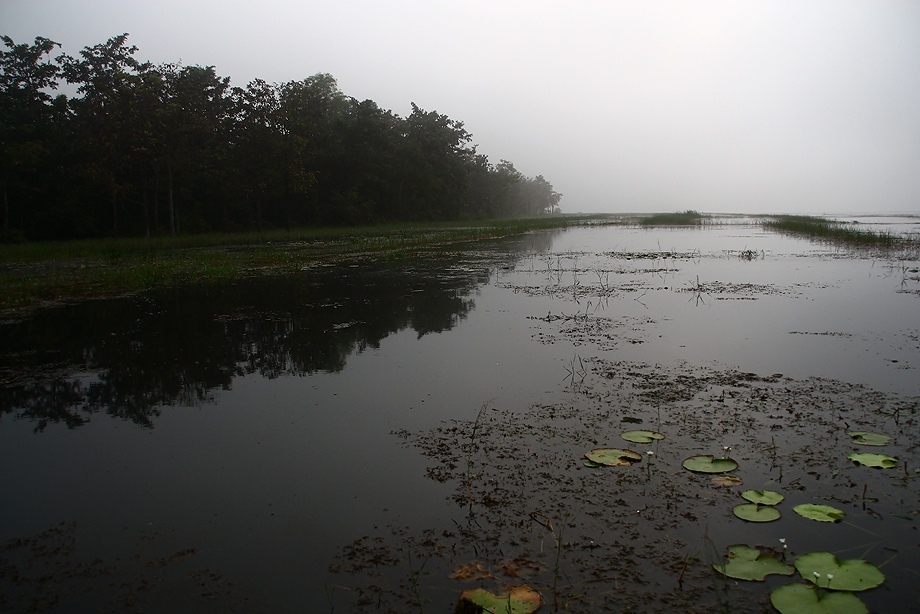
143,149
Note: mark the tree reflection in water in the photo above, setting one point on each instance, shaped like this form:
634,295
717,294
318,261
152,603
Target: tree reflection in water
129,357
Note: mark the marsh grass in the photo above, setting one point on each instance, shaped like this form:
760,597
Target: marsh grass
37,273
681,218
836,232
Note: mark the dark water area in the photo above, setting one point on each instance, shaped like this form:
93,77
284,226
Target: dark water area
298,443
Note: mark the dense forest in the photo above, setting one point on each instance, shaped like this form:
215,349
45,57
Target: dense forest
143,149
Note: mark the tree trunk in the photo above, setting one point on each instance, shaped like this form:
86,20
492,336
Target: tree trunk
114,212
169,197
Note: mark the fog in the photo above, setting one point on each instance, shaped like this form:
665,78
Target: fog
781,106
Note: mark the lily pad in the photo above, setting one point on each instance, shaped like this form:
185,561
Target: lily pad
518,600
726,480
613,457
763,497
707,463
807,599
873,460
753,512
592,465
746,563
847,575
869,439
641,436
822,513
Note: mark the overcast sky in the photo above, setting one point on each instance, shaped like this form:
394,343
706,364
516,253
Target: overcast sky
726,106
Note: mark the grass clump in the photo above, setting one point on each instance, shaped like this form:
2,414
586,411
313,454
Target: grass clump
681,218
834,231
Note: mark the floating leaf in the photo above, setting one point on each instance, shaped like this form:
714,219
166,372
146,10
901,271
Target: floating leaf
848,575
873,460
753,512
592,465
763,497
473,571
726,480
807,599
518,600
869,439
746,563
822,513
707,463
641,436
613,457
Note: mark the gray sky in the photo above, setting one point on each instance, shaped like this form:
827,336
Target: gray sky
721,106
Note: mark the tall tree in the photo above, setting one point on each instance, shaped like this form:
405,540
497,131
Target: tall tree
26,77
436,160
191,117
108,77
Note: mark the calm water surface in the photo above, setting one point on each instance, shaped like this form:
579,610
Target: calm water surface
231,440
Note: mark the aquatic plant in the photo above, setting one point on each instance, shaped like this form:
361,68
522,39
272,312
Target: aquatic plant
519,599
821,513
826,570
864,438
763,497
707,463
809,599
831,230
881,461
746,563
753,512
682,218
641,436
613,457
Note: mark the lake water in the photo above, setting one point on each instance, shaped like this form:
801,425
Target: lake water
304,443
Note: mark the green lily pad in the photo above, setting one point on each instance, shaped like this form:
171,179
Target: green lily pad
848,575
822,513
746,563
869,439
753,512
707,463
613,457
807,599
641,436
763,497
518,600
873,460
592,465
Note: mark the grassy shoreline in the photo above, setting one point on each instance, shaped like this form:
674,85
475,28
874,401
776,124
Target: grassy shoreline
34,275
834,231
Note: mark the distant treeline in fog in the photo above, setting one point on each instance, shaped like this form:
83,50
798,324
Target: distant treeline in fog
143,149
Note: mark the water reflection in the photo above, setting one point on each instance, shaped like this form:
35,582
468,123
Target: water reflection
129,357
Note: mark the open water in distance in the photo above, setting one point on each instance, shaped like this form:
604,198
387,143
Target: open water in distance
221,445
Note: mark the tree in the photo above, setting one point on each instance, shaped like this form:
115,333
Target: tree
108,78
190,118
25,114
436,162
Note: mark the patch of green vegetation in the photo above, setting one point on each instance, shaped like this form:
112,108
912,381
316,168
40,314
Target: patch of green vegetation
746,563
831,230
681,218
37,273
